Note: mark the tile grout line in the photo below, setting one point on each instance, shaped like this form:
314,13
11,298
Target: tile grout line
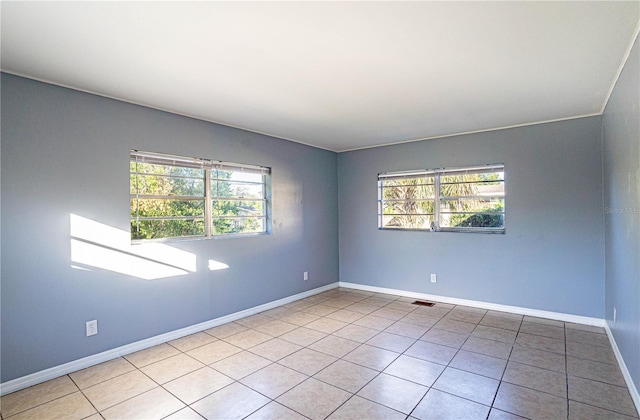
48,401
85,396
505,368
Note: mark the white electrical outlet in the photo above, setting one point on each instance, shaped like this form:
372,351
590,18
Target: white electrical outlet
305,276
614,315
433,278
92,327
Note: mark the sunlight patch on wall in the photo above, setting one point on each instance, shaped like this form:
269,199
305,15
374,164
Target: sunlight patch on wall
95,244
217,265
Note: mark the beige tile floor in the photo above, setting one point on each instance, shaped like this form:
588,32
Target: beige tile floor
348,354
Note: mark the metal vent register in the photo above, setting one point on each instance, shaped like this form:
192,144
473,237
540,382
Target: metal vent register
423,303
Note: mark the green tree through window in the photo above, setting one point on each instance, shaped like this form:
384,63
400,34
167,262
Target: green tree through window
176,197
464,199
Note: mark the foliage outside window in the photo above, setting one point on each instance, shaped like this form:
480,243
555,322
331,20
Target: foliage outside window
455,200
180,197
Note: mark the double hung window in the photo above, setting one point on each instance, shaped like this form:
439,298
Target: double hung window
181,197
458,199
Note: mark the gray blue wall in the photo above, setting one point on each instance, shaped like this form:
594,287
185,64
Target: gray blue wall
621,150
552,255
66,152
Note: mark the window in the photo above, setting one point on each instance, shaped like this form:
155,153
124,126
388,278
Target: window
455,200
180,197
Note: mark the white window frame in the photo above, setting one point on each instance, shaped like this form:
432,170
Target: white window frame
208,166
438,199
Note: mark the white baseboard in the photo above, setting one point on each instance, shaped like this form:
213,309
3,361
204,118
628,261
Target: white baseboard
73,366
633,390
585,320
57,371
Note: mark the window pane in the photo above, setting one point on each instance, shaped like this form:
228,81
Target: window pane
406,189
416,180
407,203
166,208
476,204
486,184
244,215
472,220
237,189
166,185
155,169
150,185
187,187
247,177
230,225
476,176
238,208
237,176
407,222
408,207
156,229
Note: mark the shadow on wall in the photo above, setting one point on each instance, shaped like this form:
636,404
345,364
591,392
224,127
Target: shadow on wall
96,245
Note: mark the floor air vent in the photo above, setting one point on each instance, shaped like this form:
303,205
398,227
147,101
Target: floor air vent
423,303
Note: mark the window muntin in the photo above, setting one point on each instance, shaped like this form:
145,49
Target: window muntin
179,197
468,200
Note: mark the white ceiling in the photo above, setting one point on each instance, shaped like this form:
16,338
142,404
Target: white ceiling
336,75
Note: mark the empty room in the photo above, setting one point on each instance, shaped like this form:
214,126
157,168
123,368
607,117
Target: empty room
310,210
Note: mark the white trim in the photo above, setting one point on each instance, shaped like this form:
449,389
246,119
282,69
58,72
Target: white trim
73,366
623,63
635,396
585,320
466,133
